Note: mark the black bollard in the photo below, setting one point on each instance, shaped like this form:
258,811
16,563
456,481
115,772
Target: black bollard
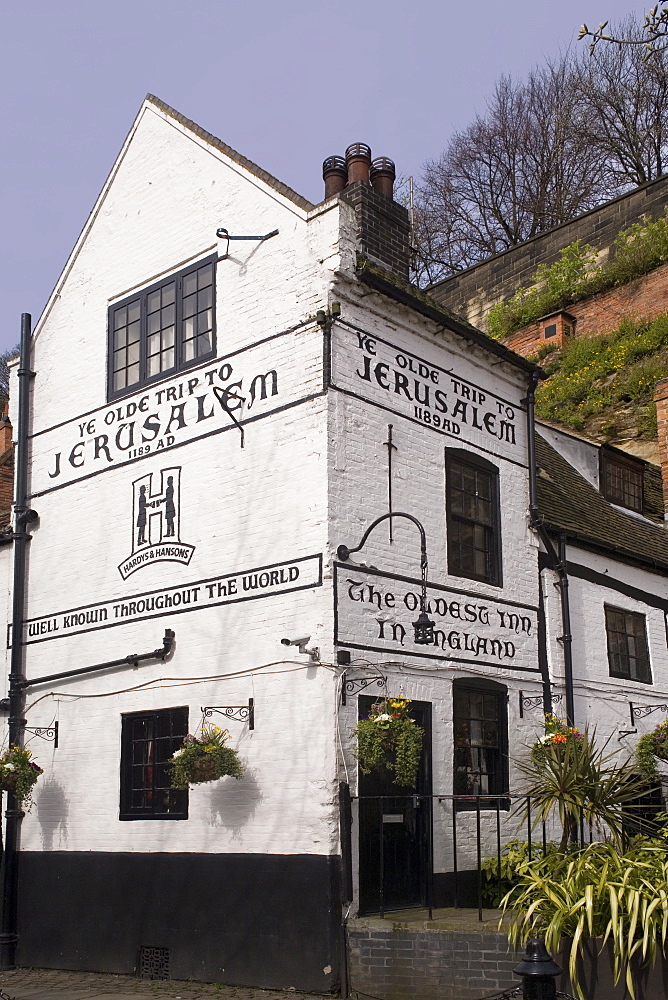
538,972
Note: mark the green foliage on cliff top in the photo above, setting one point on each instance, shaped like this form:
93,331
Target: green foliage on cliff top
575,275
594,374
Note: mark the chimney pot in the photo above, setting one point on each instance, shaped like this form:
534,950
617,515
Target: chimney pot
383,173
335,175
358,161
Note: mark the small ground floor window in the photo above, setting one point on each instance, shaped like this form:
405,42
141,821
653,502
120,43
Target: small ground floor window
148,740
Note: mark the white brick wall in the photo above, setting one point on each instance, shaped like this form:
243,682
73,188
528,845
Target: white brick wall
312,474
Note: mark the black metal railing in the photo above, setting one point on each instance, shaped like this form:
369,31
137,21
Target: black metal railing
487,820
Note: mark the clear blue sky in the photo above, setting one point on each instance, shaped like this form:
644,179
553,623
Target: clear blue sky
285,83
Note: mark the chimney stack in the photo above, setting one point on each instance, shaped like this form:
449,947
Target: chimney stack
383,226
661,400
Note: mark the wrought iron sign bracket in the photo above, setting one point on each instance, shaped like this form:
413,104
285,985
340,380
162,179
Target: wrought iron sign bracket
357,684
223,234
640,712
48,733
529,702
240,713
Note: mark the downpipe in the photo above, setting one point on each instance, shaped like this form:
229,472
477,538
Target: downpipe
557,557
23,516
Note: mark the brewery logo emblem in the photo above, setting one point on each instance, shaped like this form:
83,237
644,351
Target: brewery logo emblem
156,523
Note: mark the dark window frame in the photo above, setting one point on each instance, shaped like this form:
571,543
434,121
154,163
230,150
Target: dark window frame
493,574
617,654
141,297
611,462
500,783
140,777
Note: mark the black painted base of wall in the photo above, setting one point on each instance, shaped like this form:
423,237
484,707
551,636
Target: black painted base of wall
249,919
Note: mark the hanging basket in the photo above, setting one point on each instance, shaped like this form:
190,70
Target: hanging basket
390,738
205,768
8,781
204,758
18,774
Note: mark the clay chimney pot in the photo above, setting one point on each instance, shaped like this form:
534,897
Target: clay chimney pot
382,176
358,161
335,175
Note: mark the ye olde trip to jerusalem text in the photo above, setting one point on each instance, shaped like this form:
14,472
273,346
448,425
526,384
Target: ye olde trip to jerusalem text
228,589
136,428
431,395
254,382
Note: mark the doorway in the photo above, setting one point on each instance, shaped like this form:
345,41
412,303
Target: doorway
395,829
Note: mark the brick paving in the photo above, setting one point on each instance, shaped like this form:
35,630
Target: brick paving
52,984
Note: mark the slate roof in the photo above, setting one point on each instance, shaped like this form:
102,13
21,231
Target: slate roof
243,161
569,504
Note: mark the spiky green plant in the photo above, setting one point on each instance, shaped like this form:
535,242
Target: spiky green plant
596,892
567,774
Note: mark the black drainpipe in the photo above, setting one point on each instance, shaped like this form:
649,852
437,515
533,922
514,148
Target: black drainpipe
557,559
22,517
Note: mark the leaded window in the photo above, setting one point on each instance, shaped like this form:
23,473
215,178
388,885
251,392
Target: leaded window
480,739
148,740
168,327
622,480
472,513
628,654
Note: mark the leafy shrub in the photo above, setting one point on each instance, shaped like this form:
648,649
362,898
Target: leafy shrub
575,275
553,288
649,747
502,873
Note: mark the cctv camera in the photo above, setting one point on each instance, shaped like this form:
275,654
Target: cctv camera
300,641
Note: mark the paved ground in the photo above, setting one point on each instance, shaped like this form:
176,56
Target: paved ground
49,984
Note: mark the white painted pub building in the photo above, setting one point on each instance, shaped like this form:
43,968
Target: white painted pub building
229,384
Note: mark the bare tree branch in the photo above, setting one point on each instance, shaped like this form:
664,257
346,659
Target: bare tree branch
573,134
653,38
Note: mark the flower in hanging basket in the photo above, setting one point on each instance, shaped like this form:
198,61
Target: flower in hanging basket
18,774
390,738
204,758
651,748
557,737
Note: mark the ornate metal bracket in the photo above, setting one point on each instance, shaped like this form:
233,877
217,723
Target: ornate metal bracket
639,712
240,713
529,702
49,733
357,684
642,711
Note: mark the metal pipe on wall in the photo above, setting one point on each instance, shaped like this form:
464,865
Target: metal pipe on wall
22,517
557,558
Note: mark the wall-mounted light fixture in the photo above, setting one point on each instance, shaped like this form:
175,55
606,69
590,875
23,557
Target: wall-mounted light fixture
424,626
